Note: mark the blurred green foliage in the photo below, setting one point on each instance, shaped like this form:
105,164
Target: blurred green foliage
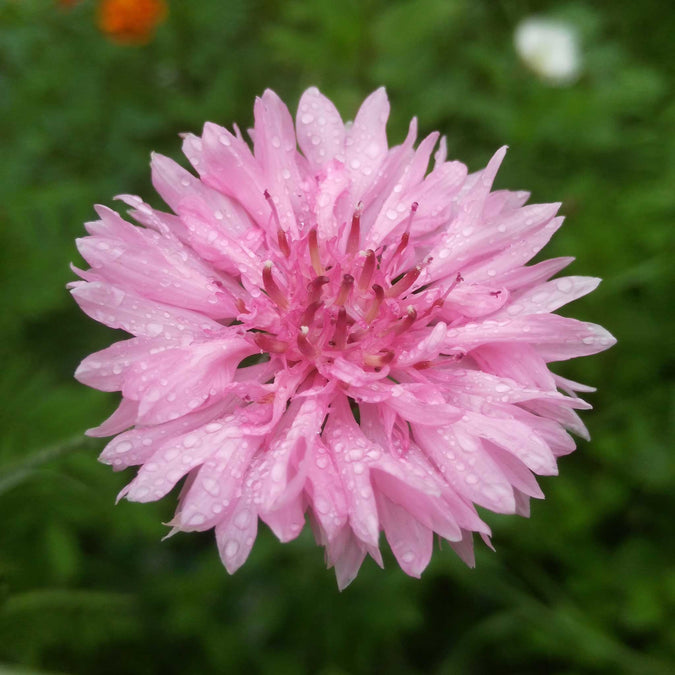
586,586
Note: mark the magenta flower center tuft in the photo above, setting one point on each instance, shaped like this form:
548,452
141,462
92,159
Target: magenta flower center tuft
332,298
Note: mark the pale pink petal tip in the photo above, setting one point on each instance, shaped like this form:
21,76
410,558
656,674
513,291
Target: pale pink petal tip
323,327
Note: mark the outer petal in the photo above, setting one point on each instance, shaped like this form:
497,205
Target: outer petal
284,469
217,485
320,130
228,165
275,150
236,533
105,369
348,444
178,381
326,493
218,439
467,467
179,189
554,337
366,142
410,541
548,297
139,316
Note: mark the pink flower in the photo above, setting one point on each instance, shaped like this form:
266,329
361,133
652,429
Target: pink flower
334,333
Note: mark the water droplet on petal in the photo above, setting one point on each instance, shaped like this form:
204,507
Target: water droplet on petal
231,548
242,519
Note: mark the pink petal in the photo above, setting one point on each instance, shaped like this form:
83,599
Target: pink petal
466,466
366,143
229,166
275,150
236,533
319,127
140,316
326,492
175,382
348,446
549,296
410,541
123,417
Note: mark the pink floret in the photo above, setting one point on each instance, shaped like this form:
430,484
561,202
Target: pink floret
327,329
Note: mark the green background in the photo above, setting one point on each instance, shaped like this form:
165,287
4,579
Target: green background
587,585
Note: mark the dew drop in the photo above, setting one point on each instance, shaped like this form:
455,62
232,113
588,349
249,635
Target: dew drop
321,505
122,447
154,329
211,486
197,519
277,472
242,519
231,548
141,492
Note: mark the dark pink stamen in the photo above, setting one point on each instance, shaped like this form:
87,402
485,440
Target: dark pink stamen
379,360
314,288
284,246
271,287
367,270
375,305
405,238
405,322
404,283
340,335
314,256
281,235
270,344
354,239
345,289
304,345
308,314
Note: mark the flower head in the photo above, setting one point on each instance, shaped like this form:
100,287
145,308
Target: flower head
130,21
550,48
325,329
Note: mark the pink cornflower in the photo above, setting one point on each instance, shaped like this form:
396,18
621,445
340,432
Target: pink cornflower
325,329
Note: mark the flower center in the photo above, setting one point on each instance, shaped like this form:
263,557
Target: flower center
329,299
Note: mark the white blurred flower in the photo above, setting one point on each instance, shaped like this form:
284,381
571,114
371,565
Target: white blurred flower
550,48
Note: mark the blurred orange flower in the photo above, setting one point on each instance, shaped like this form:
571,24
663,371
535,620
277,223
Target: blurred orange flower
131,21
